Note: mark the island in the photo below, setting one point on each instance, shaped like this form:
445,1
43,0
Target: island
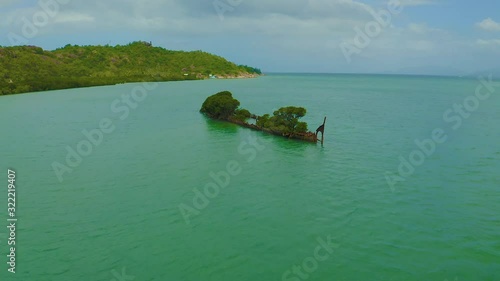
31,69
284,122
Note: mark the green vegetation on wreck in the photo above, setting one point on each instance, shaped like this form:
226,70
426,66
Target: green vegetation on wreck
30,69
284,122
285,119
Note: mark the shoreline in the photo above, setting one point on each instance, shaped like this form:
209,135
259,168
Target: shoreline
241,76
246,76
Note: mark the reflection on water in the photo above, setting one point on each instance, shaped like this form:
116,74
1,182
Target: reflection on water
220,126
281,144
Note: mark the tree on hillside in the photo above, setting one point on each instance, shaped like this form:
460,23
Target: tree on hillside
30,68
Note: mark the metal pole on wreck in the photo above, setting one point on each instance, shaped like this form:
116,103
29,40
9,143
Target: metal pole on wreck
322,130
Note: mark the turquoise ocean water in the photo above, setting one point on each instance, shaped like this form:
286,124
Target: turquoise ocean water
131,209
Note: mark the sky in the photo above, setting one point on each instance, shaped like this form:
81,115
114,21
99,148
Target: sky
435,37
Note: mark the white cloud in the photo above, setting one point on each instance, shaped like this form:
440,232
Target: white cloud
73,17
491,42
423,28
4,3
328,18
422,45
417,2
309,31
489,25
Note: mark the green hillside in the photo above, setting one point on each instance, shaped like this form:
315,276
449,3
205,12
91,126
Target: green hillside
30,69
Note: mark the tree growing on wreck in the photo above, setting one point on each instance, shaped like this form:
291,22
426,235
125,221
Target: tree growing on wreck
223,106
242,114
284,122
285,119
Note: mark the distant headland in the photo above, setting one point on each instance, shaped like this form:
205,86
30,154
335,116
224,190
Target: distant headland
31,69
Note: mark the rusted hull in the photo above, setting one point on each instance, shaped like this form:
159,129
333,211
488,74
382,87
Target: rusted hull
309,136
